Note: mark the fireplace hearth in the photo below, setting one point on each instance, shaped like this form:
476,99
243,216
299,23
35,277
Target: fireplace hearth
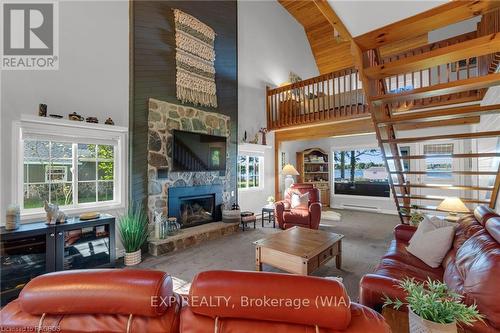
195,205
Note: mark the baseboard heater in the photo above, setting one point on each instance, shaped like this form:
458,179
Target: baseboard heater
361,207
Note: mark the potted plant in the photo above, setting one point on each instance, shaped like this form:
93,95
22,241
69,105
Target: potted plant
271,200
133,229
433,308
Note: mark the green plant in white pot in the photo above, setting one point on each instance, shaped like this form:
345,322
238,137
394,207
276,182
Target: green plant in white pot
433,308
134,230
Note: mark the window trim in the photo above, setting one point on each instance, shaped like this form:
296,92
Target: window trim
74,132
261,171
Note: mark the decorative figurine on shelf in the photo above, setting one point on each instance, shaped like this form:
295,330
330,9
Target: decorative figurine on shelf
109,121
158,221
54,215
255,139
245,138
75,116
92,120
263,131
57,116
42,110
12,218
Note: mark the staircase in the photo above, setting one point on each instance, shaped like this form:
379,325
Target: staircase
437,87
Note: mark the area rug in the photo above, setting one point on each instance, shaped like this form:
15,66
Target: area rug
195,60
330,215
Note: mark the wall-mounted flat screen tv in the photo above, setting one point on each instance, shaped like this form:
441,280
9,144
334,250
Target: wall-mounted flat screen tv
198,152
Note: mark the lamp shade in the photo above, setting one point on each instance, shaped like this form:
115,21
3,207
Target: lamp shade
454,205
289,170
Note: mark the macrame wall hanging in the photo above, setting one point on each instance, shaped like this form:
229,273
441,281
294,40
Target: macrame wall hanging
195,57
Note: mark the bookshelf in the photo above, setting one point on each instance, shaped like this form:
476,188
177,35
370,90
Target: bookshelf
313,166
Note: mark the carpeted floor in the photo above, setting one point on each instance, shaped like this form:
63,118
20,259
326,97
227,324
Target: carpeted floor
367,236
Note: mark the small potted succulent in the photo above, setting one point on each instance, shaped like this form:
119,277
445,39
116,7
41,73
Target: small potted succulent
433,308
271,200
134,230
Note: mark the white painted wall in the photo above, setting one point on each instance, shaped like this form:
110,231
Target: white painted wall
93,75
271,43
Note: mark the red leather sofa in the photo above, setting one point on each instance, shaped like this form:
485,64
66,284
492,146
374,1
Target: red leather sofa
471,267
219,301
310,217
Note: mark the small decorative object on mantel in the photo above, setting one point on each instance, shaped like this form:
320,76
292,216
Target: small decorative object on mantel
89,216
54,215
57,116
75,116
255,139
12,218
263,131
92,120
245,137
109,121
195,60
42,110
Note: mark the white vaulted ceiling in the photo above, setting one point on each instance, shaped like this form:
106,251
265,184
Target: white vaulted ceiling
361,16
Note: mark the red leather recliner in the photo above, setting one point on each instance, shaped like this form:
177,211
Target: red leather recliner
310,217
219,301
470,268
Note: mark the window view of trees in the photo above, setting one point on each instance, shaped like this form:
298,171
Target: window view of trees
248,171
49,173
361,172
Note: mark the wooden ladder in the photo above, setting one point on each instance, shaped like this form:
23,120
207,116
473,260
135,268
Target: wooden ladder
395,110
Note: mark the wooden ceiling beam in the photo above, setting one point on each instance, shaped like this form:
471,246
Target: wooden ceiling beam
403,45
438,17
472,48
479,82
332,17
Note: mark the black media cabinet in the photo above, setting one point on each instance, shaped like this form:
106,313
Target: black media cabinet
36,248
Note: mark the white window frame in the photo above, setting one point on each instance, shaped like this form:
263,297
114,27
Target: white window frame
261,171
30,127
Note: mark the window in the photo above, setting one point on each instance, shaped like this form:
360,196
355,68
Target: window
50,168
361,172
441,164
75,165
249,171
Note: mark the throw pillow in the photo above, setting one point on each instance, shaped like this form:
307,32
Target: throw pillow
432,242
300,201
428,224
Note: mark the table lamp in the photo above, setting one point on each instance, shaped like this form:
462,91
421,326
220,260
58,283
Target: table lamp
289,171
453,206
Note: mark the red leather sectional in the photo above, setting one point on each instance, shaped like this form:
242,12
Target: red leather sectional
471,267
219,301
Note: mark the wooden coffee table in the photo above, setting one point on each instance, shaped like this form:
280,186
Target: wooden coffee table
299,250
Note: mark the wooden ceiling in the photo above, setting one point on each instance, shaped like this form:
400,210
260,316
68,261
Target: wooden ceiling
327,37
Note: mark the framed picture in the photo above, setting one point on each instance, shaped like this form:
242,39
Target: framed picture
215,157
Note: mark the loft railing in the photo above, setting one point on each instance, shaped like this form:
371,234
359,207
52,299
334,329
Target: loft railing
333,96
444,73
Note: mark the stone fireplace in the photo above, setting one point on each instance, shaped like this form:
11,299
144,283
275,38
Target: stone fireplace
195,205
163,118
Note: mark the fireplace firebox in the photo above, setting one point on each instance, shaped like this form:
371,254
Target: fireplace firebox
195,205
197,210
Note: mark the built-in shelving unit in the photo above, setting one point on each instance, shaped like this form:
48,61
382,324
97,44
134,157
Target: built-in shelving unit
313,166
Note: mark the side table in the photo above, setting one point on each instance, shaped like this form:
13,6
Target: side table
269,211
